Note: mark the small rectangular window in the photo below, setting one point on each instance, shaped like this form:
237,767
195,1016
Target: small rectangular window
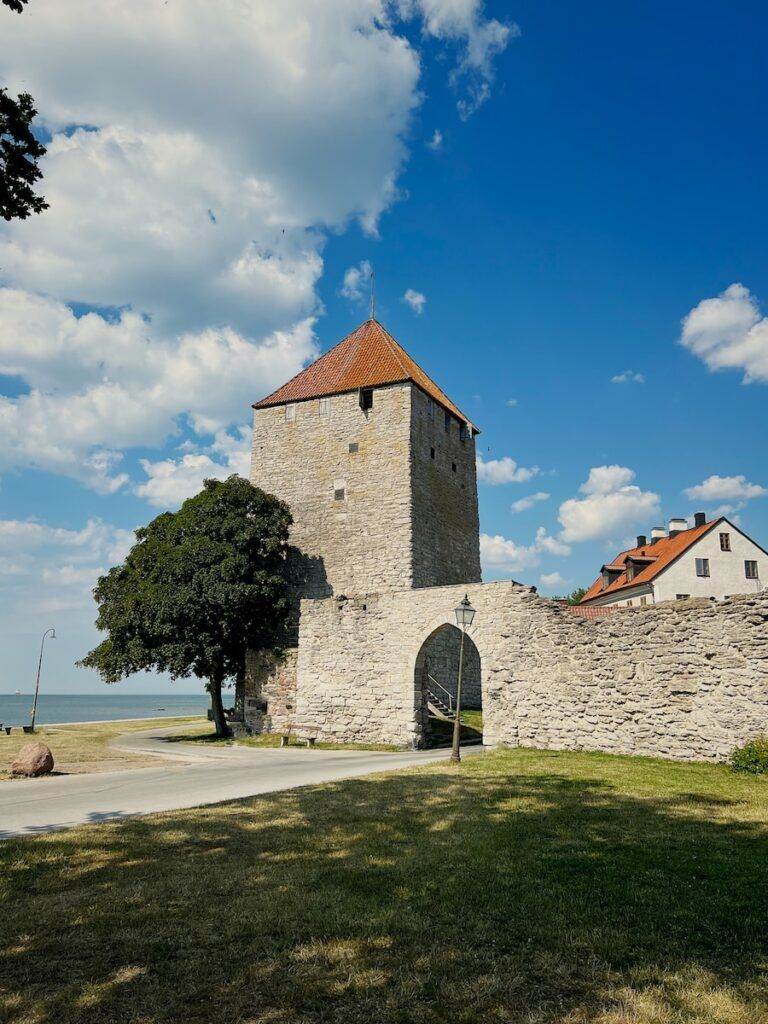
431,453
290,412
643,601
431,408
366,398
453,467
339,494
750,570
702,567
682,597
464,431
353,448
629,604
447,423
325,407
725,542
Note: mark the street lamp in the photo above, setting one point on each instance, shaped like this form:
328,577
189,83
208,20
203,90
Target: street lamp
39,666
465,613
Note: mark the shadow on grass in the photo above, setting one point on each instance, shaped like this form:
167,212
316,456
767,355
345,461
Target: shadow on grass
442,895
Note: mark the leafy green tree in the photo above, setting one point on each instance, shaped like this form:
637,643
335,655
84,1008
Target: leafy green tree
198,589
573,598
19,151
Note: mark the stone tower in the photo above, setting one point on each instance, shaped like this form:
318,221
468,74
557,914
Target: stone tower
378,468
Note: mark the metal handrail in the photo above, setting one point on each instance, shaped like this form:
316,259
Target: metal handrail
440,686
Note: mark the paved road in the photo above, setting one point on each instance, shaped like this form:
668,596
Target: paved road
187,775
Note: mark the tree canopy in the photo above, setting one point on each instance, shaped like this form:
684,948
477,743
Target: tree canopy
19,151
198,589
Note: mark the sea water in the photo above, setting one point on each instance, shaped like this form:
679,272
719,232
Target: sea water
92,707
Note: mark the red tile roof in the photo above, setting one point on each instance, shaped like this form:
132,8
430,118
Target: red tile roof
368,357
663,553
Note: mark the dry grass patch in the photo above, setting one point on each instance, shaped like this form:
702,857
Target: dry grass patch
84,748
524,887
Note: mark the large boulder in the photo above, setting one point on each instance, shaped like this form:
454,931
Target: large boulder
32,760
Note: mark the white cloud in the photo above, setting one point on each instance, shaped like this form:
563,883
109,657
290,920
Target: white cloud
511,402
611,505
523,504
504,471
172,481
499,554
552,579
485,39
725,488
552,545
52,568
436,141
416,300
357,282
98,386
628,377
728,332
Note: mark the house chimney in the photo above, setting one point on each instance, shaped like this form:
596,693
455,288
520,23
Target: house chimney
677,526
642,540
658,533
700,519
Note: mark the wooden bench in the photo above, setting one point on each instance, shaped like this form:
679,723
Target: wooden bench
305,731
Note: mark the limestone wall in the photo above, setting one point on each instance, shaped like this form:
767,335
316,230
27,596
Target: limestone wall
446,529
686,680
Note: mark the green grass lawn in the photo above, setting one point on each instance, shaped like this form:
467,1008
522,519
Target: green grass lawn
521,887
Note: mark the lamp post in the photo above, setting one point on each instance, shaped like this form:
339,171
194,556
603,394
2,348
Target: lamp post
39,666
465,613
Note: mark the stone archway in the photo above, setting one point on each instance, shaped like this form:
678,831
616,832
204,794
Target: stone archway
435,679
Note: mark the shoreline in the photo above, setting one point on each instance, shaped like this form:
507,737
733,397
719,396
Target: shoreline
110,721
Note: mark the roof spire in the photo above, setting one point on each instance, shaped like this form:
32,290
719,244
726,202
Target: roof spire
373,293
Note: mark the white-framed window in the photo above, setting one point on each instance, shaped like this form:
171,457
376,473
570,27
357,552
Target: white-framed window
750,569
702,567
290,411
325,407
725,542
643,601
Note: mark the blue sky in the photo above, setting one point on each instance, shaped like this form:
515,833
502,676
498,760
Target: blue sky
597,177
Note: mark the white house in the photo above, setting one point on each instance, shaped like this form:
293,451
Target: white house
714,559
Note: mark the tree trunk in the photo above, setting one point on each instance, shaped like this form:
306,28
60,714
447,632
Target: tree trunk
214,688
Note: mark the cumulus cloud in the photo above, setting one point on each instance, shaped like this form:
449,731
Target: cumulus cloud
416,300
552,579
47,568
523,504
499,554
356,285
611,505
436,140
628,377
98,385
729,332
483,38
171,481
504,471
725,488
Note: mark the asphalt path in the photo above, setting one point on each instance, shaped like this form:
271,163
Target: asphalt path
186,775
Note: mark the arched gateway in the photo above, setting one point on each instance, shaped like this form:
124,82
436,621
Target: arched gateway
435,684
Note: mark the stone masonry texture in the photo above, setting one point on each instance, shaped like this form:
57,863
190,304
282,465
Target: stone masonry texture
685,680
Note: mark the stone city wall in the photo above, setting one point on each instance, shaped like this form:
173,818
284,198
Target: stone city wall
686,680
